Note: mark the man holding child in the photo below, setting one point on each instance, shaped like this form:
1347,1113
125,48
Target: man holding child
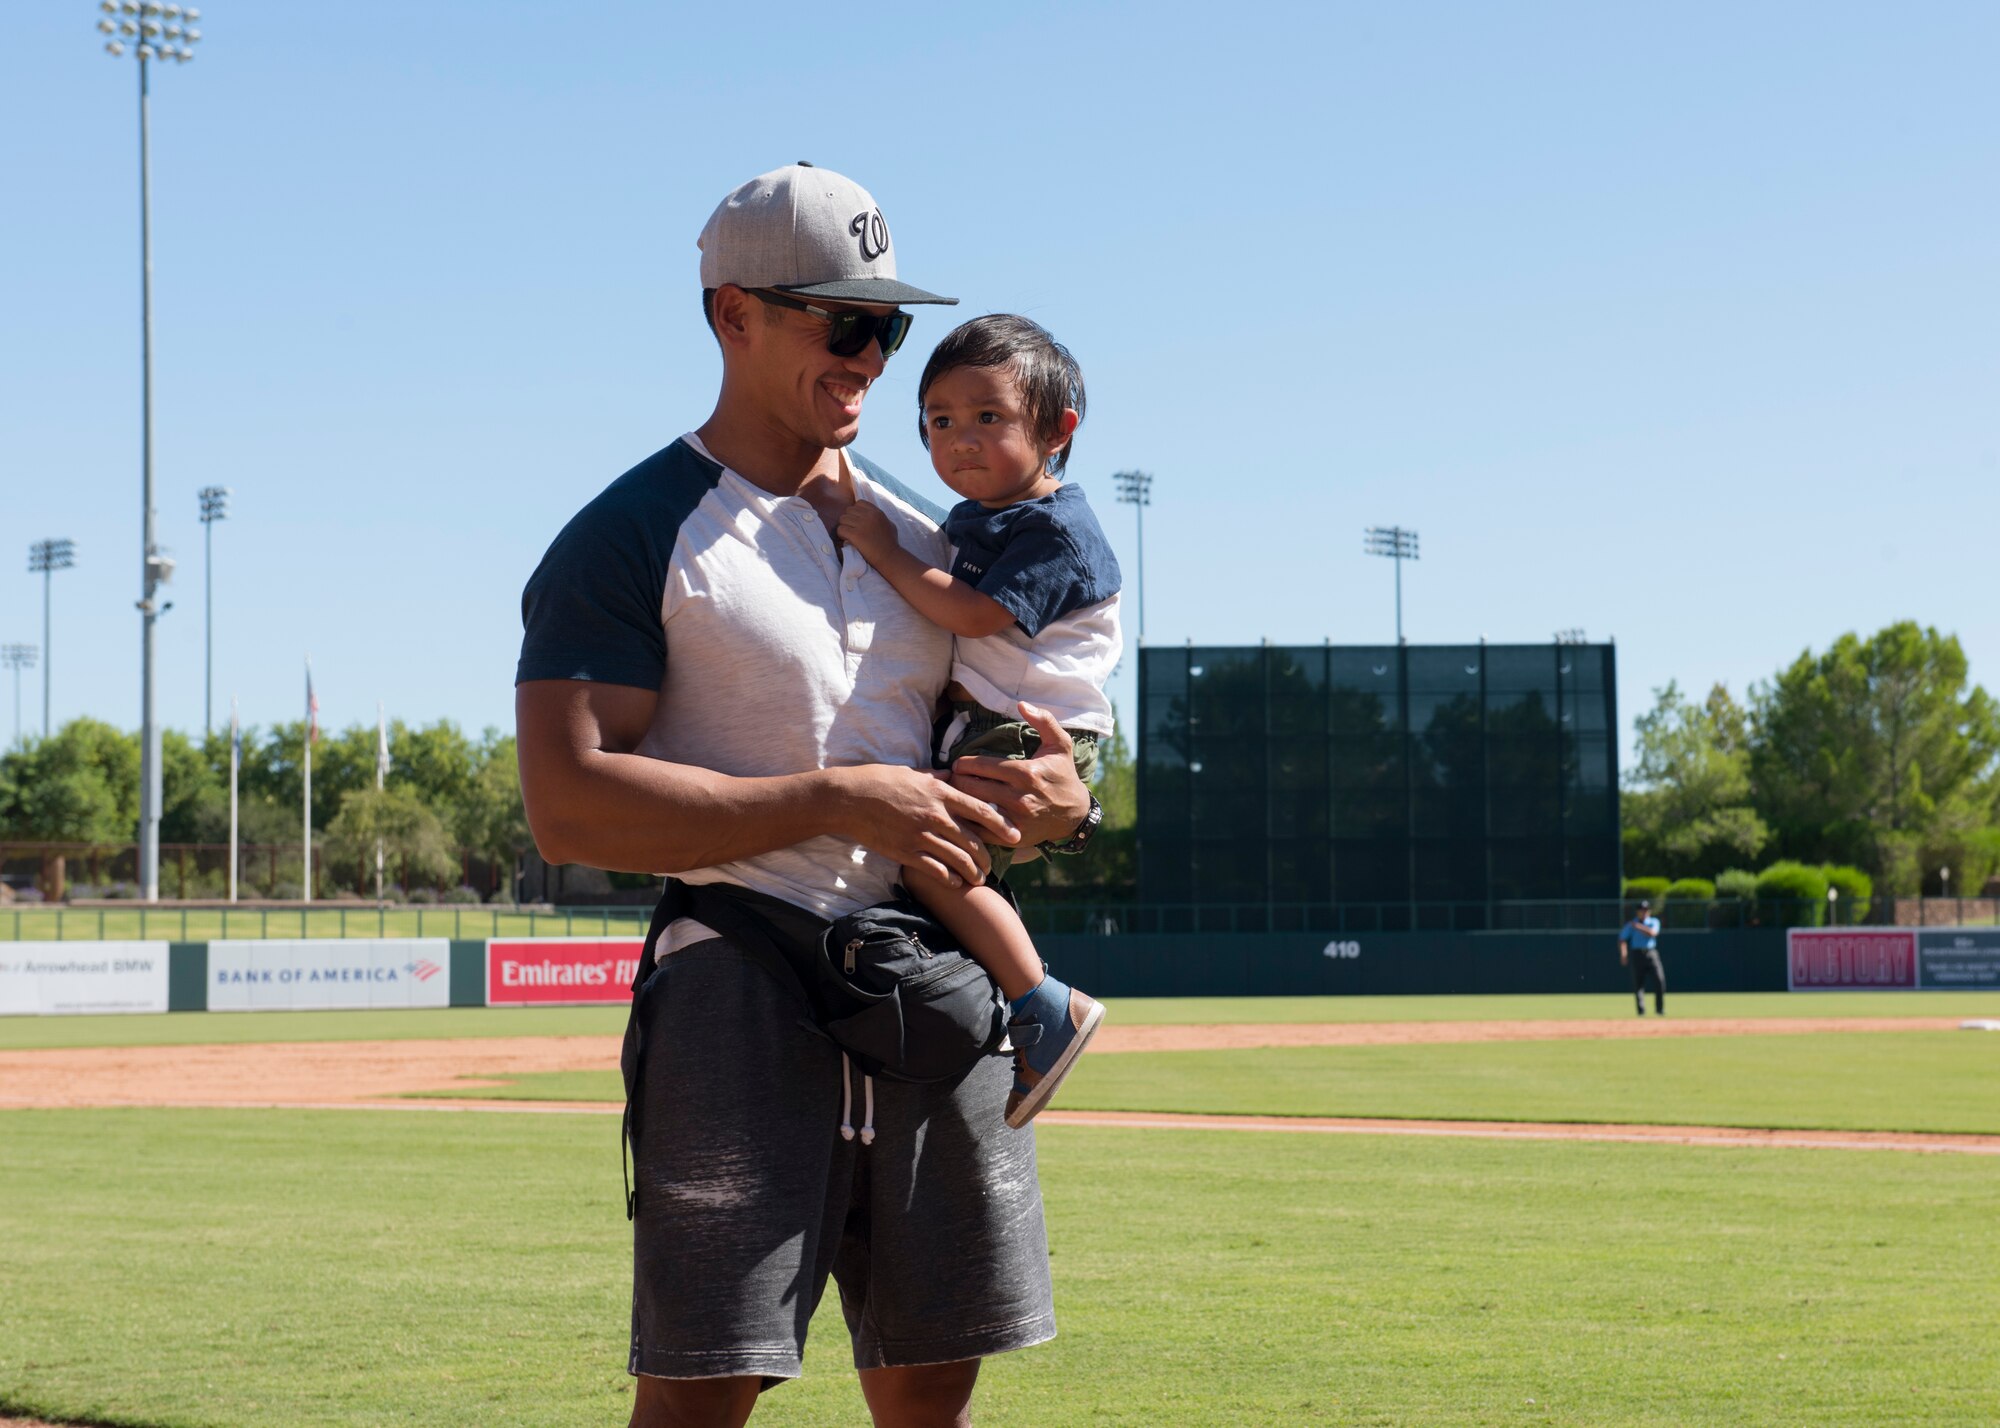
713,685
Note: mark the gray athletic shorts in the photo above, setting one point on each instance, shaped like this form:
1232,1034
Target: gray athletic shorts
749,1196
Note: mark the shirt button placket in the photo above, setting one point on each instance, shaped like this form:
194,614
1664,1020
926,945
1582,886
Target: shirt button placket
854,603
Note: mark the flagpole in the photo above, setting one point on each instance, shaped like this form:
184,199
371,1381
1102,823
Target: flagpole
381,776
235,762
306,885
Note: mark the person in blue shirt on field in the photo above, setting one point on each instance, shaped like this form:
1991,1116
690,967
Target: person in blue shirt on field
1639,949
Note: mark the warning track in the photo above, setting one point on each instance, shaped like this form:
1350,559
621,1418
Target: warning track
370,1075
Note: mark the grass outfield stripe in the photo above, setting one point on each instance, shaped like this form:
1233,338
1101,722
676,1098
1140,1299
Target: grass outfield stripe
1942,1082
193,1028
1723,1136
231,1269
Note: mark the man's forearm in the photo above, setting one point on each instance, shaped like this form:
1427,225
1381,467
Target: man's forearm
631,813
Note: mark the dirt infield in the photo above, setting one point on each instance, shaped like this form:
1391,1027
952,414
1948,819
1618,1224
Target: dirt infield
343,1072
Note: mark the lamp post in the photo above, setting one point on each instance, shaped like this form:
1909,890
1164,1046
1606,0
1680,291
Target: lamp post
214,507
163,32
1944,878
1398,545
1833,907
17,658
45,558
1135,489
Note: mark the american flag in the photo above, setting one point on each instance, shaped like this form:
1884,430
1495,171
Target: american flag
312,707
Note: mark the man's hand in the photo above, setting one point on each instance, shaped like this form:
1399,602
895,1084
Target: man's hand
1621,954
1042,796
919,820
863,526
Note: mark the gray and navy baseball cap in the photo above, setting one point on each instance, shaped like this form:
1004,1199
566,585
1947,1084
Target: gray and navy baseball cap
808,231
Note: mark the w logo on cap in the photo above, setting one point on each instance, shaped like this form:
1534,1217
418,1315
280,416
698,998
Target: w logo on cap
873,231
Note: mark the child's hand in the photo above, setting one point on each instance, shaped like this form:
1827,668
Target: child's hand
863,526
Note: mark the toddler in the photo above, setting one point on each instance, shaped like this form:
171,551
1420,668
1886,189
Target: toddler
1032,597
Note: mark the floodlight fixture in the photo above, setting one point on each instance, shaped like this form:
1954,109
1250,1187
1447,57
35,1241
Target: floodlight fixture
1135,489
47,555
1393,543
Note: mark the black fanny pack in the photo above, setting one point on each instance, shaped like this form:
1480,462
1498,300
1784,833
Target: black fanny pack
888,985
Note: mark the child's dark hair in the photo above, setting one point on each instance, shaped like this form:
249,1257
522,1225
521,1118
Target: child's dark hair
1050,379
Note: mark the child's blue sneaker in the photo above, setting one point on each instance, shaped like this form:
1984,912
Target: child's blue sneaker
1048,1033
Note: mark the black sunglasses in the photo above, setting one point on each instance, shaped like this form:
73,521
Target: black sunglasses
849,333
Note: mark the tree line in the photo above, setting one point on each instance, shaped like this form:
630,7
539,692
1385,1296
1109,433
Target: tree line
1877,753
446,795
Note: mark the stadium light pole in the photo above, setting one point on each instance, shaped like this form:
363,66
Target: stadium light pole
1135,489
1398,545
163,32
214,507
45,558
17,658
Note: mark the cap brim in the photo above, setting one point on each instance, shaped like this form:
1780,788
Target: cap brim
883,290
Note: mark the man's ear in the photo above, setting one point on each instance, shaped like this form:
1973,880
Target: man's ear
731,307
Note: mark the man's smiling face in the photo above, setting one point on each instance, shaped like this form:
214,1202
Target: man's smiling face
816,395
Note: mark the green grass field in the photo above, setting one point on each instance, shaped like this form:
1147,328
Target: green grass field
185,1268
1889,1081
195,1028
209,1269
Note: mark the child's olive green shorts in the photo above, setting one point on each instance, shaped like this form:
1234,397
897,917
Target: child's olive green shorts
1002,736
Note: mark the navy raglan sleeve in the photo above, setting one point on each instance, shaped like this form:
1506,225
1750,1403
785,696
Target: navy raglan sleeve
593,607
591,610
1037,577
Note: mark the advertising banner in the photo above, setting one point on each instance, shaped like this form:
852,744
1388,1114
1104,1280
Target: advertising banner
293,974
561,971
75,978
1959,958
1871,959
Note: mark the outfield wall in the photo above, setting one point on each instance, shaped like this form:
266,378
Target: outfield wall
1275,964
80,977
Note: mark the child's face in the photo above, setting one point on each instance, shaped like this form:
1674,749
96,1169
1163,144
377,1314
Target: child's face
982,442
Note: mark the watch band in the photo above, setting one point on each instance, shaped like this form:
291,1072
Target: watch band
1085,831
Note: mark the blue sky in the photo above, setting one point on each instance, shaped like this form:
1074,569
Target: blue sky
1679,325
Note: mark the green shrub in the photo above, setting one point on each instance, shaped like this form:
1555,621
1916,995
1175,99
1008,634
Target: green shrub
1654,890
1856,890
1736,882
1791,894
1687,903
461,894
1855,887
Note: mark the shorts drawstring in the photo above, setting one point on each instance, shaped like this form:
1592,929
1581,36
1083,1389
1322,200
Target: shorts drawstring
847,1103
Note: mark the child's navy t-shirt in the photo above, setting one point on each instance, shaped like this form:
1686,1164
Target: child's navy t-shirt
1047,562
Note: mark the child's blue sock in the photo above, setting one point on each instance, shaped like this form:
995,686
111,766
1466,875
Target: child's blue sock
1015,1007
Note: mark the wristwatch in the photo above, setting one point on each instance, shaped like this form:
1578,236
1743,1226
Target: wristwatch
1085,831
